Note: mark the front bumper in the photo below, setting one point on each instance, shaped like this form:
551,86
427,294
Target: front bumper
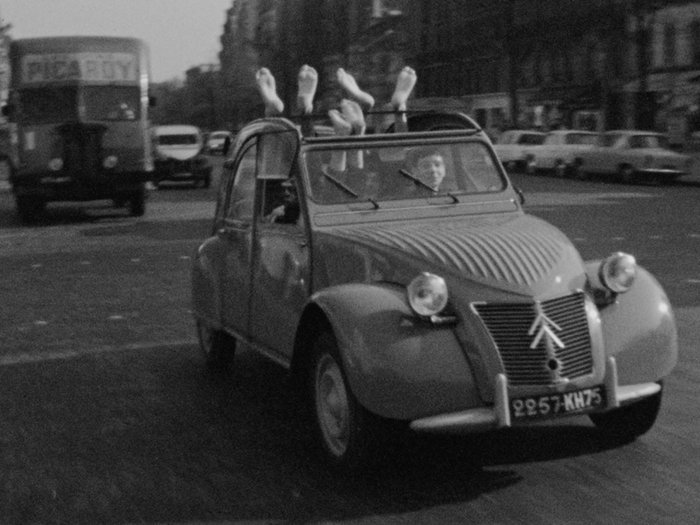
498,416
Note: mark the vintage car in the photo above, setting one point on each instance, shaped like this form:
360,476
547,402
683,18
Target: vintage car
216,141
178,155
512,147
397,306
632,155
559,151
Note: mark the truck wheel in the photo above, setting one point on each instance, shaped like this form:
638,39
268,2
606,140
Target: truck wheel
347,433
631,421
29,209
137,202
217,346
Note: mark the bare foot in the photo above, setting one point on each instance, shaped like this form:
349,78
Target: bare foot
404,85
307,80
352,112
349,84
268,92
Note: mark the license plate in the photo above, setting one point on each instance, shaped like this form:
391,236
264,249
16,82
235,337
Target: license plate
557,404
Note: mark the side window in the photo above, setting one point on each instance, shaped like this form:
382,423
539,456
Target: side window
279,201
242,196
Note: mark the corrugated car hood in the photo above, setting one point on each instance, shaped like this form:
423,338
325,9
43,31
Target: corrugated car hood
515,251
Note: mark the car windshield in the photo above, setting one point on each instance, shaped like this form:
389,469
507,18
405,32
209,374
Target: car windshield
608,140
648,141
532,138
394,172
581,138
177,140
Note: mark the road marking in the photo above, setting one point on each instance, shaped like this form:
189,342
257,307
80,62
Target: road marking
25,358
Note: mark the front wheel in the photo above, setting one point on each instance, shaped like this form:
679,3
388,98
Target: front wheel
346,432
217,346
137,202
627,174
631,421
30,209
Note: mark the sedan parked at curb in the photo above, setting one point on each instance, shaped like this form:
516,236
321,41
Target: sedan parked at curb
179,157
559,152
399,304
633,155
512,147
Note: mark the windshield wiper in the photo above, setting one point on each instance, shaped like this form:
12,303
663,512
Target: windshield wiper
340,184
415,180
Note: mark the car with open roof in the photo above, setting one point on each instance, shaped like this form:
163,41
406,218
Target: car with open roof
397,306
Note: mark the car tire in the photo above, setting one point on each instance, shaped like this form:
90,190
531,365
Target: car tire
348,435
631,421
560,169
217,346
530,166
626,173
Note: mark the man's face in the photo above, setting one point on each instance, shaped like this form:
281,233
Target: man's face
431,170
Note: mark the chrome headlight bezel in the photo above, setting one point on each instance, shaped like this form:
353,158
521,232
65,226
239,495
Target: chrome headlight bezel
618,272
427,294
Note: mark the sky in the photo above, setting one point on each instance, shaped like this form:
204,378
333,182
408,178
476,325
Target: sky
179,33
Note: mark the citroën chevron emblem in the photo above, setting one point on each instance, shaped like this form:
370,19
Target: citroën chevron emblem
543,326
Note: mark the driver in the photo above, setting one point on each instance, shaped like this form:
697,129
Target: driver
428,164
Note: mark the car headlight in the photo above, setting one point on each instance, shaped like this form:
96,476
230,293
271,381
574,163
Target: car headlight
617,272
110,161
56,164
427,294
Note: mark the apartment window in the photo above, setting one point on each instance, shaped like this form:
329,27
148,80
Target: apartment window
669,45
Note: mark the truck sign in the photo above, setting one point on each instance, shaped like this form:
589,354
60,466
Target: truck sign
83,66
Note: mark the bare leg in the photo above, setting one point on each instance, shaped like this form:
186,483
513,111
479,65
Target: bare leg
307,81
268,91
352,112
404,85
349,84
342,128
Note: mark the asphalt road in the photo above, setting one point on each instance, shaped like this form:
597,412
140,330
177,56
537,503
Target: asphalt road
109,417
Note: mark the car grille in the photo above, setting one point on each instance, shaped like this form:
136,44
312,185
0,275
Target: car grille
548,362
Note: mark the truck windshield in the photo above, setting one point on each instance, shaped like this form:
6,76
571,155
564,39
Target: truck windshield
65,103
111,102
48,105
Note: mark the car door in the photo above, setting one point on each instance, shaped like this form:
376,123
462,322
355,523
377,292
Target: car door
280,276
235,233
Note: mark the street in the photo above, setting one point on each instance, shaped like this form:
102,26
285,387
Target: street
108,415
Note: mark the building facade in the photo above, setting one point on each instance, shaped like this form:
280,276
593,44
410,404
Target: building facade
594,64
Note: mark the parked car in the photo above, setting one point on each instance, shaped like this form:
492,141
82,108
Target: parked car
216,141
392,304
558,152
512,147
179,155
632,155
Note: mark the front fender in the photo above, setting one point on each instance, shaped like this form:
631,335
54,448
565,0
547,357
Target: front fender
398,366
639,330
